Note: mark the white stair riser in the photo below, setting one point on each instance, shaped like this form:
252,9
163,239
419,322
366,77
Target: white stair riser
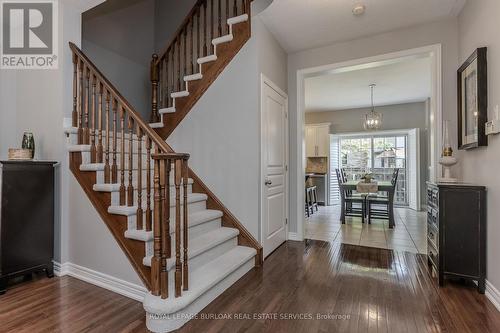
86,157
100,177
192,208
73,140
178,319
115,196
193,232
204,257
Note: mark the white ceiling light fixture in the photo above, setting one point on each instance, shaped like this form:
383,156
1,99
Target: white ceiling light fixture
359,10
373,120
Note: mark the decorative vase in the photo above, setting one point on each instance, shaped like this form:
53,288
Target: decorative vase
29,143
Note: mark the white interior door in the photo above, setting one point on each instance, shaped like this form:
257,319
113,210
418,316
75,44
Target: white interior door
274,165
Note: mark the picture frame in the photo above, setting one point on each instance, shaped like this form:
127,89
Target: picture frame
472,100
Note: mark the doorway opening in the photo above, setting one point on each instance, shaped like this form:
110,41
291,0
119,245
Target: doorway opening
380,152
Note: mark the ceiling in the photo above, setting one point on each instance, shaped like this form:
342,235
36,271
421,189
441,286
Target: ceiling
398,81
304,24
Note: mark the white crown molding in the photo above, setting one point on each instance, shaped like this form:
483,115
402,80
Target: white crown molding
124,288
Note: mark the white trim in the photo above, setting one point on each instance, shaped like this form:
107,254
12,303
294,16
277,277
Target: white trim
119,286
493,294
264,80
292,236
436,113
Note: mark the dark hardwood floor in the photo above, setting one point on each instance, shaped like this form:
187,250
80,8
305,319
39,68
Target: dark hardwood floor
355,289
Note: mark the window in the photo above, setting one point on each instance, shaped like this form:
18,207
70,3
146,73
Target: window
379,155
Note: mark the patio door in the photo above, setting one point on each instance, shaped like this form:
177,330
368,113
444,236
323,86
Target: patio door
379,153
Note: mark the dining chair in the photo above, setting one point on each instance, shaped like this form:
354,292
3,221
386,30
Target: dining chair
374,202
348,201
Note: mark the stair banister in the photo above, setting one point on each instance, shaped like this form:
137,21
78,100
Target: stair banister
127,137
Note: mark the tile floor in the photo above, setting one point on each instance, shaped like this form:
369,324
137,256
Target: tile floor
409,234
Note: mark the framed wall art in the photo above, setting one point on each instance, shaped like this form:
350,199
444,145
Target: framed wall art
473,101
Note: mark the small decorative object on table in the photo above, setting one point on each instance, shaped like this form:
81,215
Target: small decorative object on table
367,177
16,154
447,159
29,143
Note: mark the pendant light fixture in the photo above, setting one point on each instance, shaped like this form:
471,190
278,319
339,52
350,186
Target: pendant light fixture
373,120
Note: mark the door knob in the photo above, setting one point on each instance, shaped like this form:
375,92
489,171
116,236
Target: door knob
268,182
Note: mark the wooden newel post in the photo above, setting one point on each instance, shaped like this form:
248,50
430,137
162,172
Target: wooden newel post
154,89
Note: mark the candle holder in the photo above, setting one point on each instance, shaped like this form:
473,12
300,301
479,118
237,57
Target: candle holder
447,159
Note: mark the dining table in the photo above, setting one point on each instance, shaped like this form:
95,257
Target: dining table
383,186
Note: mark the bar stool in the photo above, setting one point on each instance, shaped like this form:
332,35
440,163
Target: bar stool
308,203
314,197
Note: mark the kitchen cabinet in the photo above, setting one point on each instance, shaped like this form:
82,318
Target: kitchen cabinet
318,140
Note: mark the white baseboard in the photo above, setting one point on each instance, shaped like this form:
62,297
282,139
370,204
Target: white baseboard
131,290
293,236
493,294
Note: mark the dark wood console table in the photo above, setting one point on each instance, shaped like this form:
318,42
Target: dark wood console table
26,218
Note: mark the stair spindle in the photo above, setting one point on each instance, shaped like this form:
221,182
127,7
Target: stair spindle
140,213
205,28
86,131
235,8
179,64
227,16
74,115
185,282
130,187
122,157
148,184
93,147
155,260
191,46
185,55
154,89
99,126
107,169
178,264
114,167
198,34
219,9
211,23
80,104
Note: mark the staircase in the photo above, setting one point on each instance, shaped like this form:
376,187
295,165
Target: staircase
186,247
210,36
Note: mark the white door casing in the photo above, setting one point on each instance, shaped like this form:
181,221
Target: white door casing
274,173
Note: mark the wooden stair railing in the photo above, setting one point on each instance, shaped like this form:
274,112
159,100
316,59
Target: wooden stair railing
105,119
192,49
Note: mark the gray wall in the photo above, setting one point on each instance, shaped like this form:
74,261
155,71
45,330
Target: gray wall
401,116
478,26
119,38
443,32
